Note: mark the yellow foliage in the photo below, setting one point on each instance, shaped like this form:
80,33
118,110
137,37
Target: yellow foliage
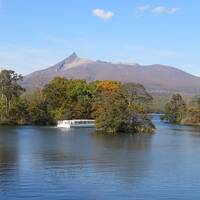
110,86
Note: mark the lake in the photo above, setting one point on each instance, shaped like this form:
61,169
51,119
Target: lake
50,163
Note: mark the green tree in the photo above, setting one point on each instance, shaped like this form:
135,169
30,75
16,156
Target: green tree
69,99
19,112
38,110
56,94
110,112
81,98
2,110
9,89
175,110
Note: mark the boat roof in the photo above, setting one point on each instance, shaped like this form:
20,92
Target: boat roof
78,120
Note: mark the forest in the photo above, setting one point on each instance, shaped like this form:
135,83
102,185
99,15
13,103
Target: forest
116,107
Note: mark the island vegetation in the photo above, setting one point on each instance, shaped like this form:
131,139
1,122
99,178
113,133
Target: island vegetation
116,107
178,112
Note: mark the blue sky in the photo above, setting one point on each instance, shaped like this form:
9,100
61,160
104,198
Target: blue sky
38,33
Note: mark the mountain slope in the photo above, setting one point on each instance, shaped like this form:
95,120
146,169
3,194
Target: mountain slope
156,78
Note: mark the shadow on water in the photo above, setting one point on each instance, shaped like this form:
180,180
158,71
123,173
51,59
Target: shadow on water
123,157
8,159
124,141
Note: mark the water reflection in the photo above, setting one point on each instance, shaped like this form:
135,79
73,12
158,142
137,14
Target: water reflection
8,151
187,129
50,163
125,141
7,161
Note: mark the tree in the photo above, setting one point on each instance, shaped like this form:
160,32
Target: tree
81,97
107,85
138,98
136,93
118,108
175,110
9,88
69,99
196,102
110,112
194,111
38,110
56,94
2,110
19,112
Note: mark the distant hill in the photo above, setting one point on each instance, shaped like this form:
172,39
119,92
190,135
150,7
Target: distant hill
156,78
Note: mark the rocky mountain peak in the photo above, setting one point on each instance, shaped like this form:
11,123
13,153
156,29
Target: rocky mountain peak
71,58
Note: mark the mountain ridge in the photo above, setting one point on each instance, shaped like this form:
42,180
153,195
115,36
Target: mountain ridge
156,77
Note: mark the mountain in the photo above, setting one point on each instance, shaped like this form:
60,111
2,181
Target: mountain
156,78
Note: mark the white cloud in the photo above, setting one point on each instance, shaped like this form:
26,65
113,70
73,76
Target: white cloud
102,14
143,8
165,10
157,9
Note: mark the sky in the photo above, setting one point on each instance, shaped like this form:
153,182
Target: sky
35,34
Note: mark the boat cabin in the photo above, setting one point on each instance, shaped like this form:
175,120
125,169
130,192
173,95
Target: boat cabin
82,123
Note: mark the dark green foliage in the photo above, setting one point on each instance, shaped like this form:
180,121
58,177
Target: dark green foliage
39,114
19,113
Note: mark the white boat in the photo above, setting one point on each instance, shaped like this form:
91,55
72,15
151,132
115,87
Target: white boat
76,123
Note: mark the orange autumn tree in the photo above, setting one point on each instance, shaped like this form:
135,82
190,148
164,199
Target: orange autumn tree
107,86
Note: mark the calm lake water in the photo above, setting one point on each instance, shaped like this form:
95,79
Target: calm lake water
49,163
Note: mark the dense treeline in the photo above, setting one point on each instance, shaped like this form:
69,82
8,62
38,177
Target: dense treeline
178,112
116,107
